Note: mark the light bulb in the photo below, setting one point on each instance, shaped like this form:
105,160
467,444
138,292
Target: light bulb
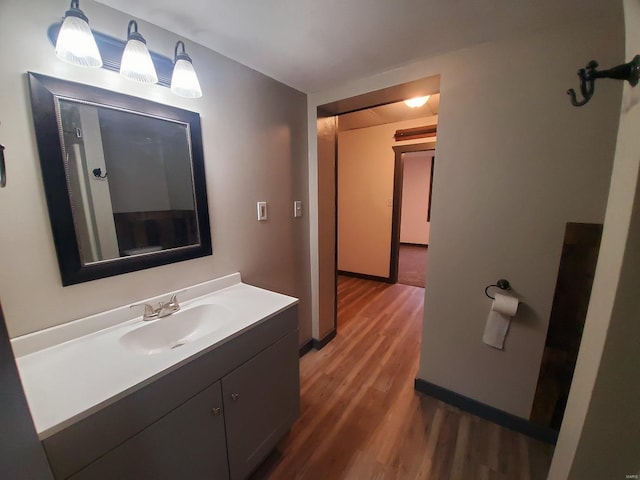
417,101
184,81
136,63
75,43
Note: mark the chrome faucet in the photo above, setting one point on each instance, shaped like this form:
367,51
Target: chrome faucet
150,313
163,309
167,308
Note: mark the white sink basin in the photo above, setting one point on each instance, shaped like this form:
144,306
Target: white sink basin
177,329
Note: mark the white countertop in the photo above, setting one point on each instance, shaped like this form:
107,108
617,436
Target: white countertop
67,373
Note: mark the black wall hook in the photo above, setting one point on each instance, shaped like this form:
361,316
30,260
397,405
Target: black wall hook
588,75
97,172
502,284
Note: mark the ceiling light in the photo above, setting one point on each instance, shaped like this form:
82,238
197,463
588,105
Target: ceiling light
136,62
417,101
75,43
184,81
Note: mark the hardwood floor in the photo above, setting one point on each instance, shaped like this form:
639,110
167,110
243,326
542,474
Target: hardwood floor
361,418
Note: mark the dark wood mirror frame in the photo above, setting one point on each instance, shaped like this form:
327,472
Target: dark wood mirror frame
44,91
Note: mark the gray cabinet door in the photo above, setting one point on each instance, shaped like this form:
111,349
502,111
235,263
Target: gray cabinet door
187,443
261,402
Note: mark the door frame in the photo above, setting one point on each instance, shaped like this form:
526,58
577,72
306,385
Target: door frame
398,178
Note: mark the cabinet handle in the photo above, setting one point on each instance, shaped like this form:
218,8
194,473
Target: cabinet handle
235,397
216,411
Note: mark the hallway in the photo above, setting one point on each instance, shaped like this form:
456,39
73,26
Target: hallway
361,419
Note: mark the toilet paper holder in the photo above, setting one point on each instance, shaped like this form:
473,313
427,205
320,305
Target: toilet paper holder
502,284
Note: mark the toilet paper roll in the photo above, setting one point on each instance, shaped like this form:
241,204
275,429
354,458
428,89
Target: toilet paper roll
505,304
503,308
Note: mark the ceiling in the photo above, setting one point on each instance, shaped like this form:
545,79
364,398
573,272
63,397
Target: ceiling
313,45
390,113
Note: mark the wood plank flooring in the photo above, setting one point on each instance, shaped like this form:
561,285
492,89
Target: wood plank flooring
361,418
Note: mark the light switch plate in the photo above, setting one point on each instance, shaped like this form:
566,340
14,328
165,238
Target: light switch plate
262,211
297,208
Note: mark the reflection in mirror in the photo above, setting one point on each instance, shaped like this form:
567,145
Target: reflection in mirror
145,202
124,179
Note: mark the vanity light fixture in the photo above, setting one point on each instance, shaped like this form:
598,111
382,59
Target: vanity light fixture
417,101
184,81
136,63
75,43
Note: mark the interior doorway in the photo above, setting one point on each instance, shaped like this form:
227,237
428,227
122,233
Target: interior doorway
415,221
370,184
411,212
415,218
325,328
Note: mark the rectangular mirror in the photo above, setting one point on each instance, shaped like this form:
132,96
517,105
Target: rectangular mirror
124,179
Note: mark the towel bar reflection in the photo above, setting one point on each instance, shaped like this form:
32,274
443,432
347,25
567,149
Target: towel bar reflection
502,284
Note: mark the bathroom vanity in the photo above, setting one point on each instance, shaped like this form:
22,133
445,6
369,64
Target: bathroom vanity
210,404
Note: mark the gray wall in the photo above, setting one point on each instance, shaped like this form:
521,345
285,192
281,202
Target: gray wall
255,137
515,162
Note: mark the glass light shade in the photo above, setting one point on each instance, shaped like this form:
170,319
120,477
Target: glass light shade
184,81
76,45
417,101
136,63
